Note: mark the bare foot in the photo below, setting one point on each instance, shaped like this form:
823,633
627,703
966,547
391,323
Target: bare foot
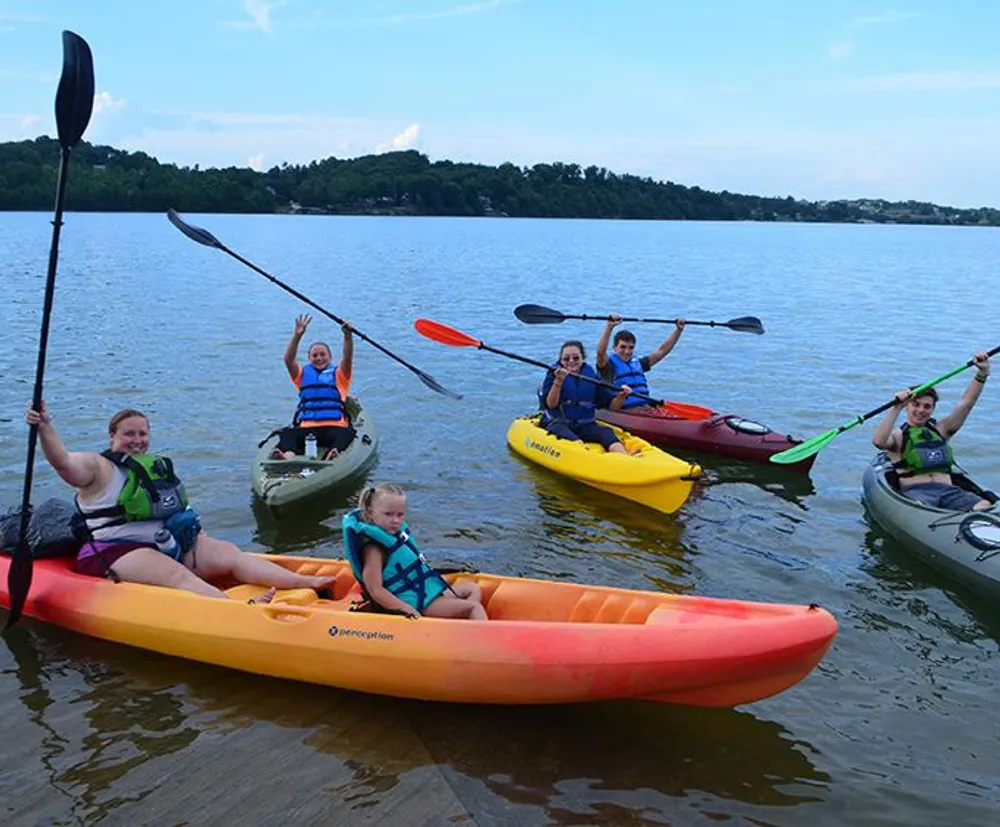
332,453
266,597
316,582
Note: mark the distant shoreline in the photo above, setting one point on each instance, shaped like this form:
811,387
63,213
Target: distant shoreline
105,179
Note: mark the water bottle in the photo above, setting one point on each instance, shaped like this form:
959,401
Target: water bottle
165,542
311,446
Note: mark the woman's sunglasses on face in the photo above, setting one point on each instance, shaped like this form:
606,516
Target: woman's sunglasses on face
572,358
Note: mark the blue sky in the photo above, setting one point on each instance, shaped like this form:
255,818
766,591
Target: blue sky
842,99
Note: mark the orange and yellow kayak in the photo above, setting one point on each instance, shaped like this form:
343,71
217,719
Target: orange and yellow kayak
545,642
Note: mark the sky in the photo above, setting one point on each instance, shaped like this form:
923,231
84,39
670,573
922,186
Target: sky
817,100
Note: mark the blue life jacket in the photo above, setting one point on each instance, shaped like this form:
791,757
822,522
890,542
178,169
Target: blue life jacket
405,573
319,397
629,373
924,450
577,398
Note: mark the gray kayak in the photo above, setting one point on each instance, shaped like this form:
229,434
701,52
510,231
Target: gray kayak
284,482
964,545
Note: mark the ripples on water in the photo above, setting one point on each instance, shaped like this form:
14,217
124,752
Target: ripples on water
898,724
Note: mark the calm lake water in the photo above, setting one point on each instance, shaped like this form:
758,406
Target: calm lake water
897,726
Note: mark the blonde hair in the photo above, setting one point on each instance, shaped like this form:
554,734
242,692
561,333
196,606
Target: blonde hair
121,416
368,495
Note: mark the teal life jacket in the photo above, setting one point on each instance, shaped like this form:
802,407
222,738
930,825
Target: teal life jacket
152,491
924,450
629,373
405,573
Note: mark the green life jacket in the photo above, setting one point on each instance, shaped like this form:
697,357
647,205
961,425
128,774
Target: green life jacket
151,491
405,572
924,451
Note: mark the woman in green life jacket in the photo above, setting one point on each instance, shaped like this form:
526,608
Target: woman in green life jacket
920,448
127,497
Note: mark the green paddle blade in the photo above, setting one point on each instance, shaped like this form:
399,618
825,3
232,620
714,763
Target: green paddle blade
812,446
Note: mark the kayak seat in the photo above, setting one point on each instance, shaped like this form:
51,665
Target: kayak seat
600,607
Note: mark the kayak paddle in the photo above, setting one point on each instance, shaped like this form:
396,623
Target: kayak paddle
203,236
817,443
74,104
448,335
537,314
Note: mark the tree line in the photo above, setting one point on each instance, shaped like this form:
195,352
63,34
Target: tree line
106,179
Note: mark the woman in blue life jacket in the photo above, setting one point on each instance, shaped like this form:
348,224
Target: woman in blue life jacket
136,521
622,367
920,448
388,564
569,402
323,388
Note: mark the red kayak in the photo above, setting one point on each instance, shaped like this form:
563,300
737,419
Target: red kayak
727,435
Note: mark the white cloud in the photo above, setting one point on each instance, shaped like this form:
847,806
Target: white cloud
838,51
106,102
256,161
887,17
407,139
455,11
923,82
259,12
28,123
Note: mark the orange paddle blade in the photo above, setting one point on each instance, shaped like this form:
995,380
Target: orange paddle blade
684,411
445,334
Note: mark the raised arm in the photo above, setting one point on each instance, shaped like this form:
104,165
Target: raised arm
668,344
292,351
79,469
347,355
602,344
885,438
950,424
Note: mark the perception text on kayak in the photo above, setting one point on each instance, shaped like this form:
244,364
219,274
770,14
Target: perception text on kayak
364,634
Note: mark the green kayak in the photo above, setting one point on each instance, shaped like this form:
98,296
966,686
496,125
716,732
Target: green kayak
281,483
963,545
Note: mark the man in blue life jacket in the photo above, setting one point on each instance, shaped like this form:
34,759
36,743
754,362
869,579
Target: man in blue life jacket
623,367
920,448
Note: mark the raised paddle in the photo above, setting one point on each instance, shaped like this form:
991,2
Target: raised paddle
537,314
817,443
448,335
74,103
205,237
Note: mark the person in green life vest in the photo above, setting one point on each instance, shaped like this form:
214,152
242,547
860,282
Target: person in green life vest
136,521
623,367
920,448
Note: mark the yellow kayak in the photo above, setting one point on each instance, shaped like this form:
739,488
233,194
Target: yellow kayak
649,476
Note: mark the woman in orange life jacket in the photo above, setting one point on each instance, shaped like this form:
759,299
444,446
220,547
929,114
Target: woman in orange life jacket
621,367
920,450
129,544
569,402
323,389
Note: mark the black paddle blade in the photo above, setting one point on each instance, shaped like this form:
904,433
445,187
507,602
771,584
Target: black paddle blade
746,324
435,386
75,96
536,314
194,233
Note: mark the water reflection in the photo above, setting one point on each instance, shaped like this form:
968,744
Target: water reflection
147,717
576,519
906,581
308,527
792,486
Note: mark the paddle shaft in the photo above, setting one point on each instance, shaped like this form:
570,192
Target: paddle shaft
584,317
813,446
540,364
20,573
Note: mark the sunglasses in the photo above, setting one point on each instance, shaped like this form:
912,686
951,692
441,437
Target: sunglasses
572,358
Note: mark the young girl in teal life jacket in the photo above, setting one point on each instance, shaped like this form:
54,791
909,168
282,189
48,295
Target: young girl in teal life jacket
389,566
